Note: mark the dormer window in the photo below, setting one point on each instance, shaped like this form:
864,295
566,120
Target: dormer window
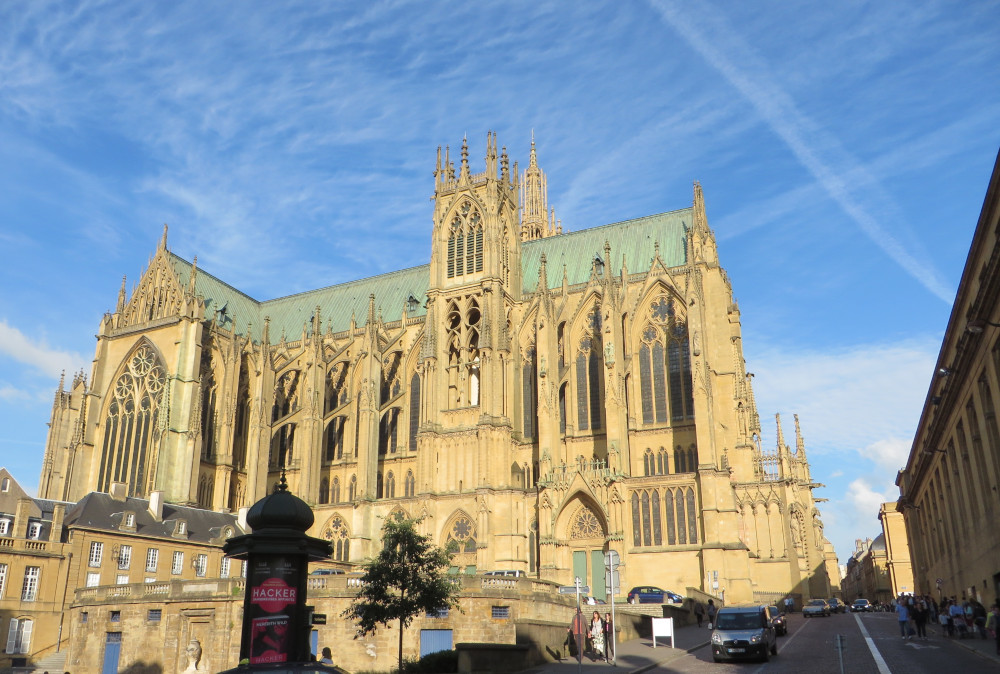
4,526
130,520
35,530
5,484
180,528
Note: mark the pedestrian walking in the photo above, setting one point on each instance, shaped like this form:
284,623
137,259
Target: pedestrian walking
597,635
577,633
712,610
903,616
699,612
609,638
993,625
920,616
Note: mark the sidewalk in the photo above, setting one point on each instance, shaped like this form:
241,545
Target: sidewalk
636,655
986,648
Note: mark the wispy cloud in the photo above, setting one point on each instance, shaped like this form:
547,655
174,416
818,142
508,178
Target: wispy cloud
861,197
51,362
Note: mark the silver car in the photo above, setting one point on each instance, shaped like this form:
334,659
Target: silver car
816,607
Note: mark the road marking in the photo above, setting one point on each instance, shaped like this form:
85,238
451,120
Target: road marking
879,660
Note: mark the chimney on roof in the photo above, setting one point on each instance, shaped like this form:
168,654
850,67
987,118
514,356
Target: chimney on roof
241,519
119,491
156,505
58,516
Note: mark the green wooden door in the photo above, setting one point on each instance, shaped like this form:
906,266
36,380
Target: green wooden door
580,565
597,586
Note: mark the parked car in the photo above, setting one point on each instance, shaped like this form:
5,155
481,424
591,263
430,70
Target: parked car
816,607
326,572
778,620
836,606
646,594
861,606
744,632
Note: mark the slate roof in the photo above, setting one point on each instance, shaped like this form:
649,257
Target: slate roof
633,240
98,510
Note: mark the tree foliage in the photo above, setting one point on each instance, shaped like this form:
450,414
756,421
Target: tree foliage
407,578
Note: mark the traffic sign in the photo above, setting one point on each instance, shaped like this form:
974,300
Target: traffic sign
611,559
319,619
612,580
571,589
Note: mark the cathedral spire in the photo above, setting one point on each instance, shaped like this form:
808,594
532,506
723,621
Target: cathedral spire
536,221
371,308
543,276
800,444
121,298
781,434
163,239
194,275
464,175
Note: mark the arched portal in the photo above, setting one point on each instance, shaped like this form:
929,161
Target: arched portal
584,525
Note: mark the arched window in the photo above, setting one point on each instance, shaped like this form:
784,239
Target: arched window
562,409
336,532
463,366
665,366
242,427
681,517
391,380
681,395
379,485
208,407
692,517
680,460
465,242
281,447
131,423
324,490
388,431
286,395
668,510
352,489
589,380
409,484
662,462
390,485
335,491
336,386
533,547
529,392
647,463
414,410
334,439
636,520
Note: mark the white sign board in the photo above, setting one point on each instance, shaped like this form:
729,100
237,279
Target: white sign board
663,627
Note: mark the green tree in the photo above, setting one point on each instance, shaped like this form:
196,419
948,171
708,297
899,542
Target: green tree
407,578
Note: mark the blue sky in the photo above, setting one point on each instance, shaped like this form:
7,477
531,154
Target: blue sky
844,150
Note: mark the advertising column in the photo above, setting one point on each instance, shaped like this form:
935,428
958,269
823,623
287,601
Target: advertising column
273,587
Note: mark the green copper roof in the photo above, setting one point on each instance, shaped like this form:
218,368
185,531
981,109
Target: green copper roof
633,240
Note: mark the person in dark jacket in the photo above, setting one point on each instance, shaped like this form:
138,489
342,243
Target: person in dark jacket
609,640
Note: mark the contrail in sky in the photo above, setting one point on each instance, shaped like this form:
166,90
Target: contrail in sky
803,137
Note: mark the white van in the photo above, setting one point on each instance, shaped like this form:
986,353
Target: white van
509,573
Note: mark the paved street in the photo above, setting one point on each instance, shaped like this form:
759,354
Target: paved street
872,645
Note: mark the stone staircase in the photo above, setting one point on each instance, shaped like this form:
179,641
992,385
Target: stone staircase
53,664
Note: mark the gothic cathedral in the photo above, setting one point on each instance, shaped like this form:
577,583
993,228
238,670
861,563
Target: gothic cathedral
537,397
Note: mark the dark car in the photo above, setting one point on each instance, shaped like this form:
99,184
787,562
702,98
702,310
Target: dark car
836,606
647,594
861,606
744,632
778,620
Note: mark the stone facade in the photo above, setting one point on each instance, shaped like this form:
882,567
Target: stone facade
537,397
948,491
897,550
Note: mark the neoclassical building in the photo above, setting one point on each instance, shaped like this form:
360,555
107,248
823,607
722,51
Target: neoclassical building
538,397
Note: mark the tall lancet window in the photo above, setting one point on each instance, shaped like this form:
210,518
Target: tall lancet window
130,424
665,366
529,392
465,242
589,379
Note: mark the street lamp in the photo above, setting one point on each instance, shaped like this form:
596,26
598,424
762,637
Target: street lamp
977,326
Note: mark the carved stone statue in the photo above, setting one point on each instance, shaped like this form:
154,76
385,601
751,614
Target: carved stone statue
193,655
